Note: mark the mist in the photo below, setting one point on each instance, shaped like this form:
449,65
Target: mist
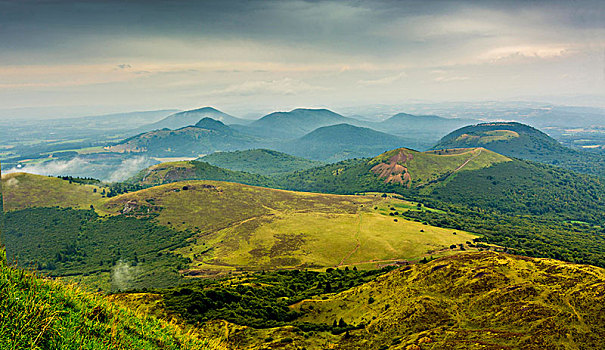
107,171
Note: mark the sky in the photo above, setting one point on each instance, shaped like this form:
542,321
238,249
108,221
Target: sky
66,58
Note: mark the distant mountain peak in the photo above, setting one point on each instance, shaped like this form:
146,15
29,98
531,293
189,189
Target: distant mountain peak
213,124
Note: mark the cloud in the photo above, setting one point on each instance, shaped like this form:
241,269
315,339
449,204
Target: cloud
123,275
53,168
445,79
128,168
12,182
384,81
285,86
525,51
78,166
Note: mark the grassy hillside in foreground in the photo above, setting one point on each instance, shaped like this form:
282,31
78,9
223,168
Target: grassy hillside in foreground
194,170
259,161
522,141
480,300
472,301
38,313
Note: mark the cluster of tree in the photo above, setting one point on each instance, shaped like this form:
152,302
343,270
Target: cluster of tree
64,242
80,180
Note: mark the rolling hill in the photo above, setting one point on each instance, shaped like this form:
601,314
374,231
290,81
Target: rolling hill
392,171
522,141
294,124
156,235
187,118
194,170
259,161
206,136
341,141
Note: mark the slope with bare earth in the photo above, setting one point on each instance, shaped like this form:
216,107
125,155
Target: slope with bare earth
393,171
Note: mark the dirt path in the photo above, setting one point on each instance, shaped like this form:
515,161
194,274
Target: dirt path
358,242
467,161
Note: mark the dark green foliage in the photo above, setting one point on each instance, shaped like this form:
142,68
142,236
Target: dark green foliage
80,180
524,235
119,188
259,161
68,242
527,188
346,177
260,299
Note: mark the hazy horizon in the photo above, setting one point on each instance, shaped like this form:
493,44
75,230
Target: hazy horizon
65,59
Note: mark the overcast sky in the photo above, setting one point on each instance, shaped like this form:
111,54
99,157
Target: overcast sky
107,56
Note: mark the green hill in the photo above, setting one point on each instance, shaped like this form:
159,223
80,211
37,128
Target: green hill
237,227
152,237
39,313
532,208
259,161
522,141
206,137
193,170
392,171
341,141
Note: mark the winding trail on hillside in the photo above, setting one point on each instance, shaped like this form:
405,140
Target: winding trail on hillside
467,161
358,242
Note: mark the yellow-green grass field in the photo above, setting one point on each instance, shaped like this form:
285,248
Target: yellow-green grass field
22,190
239,227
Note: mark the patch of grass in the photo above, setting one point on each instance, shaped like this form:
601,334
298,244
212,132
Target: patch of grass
22,190
39,313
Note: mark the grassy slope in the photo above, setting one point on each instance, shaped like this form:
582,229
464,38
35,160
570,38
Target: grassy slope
473,301
355,175
22,190
426,167
259,161
522,141
254,227
39,313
